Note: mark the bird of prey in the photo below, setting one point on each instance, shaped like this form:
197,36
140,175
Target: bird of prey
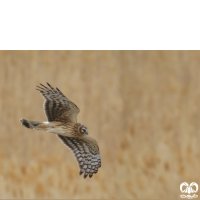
61,114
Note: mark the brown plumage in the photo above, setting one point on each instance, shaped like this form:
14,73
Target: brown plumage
62,114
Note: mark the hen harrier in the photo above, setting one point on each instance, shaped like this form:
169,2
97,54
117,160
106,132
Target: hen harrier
61,114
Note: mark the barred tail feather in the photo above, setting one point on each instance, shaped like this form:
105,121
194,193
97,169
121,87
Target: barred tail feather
29,124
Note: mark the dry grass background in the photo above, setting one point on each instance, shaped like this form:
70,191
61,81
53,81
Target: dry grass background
142,107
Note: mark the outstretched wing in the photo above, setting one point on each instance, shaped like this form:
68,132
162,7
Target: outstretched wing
86,151
57,106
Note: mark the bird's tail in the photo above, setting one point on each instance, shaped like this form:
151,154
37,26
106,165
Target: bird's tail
30,124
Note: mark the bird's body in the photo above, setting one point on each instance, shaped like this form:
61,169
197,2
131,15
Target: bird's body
61,114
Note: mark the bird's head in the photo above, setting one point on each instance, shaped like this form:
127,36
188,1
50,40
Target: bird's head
82,129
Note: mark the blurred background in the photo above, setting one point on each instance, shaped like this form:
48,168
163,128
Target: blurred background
142,107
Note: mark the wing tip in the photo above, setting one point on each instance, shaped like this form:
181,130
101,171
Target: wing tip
90,175
85,175
80,173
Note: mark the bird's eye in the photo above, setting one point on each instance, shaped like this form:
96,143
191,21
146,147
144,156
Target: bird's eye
83,130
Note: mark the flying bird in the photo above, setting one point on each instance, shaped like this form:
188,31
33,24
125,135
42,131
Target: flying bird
61,114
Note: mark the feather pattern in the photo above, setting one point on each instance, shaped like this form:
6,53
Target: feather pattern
57,106
86,152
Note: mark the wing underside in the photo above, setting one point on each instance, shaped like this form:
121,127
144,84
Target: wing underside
87,155
57,106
